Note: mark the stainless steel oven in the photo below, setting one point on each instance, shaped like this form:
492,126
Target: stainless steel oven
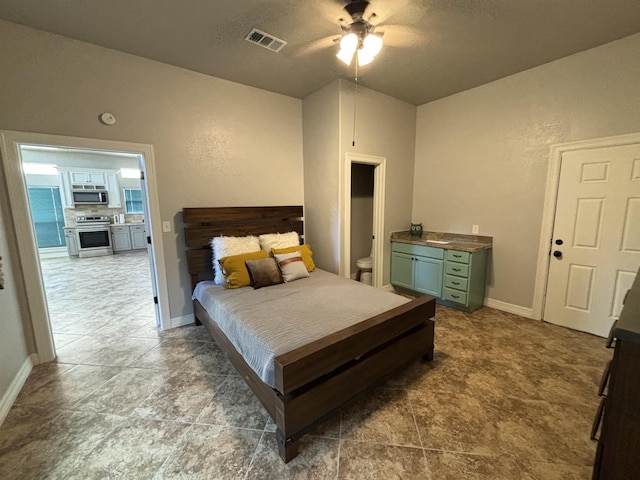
94,236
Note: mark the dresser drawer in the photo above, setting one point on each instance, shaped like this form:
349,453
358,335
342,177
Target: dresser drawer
458,256
457,269
459,283
413,249
455,296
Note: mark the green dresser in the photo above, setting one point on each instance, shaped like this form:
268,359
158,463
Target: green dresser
455,277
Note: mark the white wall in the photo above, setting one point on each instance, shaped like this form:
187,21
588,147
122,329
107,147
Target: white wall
482,155
216,143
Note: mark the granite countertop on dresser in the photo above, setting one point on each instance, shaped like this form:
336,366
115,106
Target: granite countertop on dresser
628,325
448,241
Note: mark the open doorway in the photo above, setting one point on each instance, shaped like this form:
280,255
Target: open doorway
87,197
88,210
362,211
362,183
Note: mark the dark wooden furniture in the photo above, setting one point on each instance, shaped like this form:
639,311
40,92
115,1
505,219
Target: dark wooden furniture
618,452
313,381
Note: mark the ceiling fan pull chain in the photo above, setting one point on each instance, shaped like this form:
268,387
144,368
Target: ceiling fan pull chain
355,107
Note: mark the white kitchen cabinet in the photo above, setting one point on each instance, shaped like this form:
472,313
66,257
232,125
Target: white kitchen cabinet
82,179
138,237
72,241
121,238
65,189
113,190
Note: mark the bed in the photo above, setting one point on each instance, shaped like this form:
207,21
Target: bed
313,380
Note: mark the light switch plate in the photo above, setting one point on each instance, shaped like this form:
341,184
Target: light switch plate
475,229
166,227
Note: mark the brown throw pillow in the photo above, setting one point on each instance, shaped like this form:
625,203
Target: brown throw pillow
264,272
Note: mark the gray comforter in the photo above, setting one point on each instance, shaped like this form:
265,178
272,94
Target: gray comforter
270,321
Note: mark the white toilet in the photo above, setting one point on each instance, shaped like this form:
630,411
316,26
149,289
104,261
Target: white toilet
365,268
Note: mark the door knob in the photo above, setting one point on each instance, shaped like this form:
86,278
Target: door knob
557,254
559,242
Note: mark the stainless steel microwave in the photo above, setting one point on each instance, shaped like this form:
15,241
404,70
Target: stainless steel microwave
90,197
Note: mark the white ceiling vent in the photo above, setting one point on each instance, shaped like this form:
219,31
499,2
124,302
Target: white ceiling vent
265,40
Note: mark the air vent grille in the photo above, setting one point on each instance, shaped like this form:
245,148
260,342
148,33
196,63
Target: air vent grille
265,40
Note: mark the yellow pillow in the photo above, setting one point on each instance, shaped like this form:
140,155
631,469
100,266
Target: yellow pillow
235,271
305,251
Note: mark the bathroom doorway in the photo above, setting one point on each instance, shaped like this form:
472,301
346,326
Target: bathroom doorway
362,183
362,214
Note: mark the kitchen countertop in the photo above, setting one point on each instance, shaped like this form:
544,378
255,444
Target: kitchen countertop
628,326
451,241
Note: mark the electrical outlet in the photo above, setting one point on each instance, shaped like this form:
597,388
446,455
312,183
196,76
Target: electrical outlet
475,229
166,227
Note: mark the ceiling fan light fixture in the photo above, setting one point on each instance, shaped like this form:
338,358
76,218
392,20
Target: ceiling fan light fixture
349,43
372,44
345,56
364,57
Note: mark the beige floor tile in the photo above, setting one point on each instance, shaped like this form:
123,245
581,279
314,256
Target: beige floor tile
360,460
234,405
122,393
180,398
458,466
211,451
41,374
71,386
318,459
135,449
382,416
58,447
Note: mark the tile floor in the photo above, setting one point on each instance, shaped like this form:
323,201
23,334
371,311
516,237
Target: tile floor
504,398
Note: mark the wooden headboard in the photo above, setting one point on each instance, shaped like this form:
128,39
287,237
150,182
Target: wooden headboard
202,224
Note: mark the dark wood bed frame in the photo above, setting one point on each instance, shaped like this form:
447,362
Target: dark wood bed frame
313,381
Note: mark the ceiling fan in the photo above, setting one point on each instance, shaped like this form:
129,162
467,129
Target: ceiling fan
368,16
359,38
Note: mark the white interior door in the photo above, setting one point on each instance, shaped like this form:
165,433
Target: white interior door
595,249
147,226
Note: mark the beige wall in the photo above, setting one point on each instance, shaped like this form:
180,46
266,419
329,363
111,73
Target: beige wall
321,126
385,127
482,155
216,143
13,319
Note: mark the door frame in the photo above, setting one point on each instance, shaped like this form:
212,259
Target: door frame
10,142
379,179
549,209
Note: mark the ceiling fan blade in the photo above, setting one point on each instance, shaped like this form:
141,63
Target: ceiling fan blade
402,36
314,46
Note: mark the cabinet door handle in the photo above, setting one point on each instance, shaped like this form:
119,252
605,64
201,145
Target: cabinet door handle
604,379
611,337
597,420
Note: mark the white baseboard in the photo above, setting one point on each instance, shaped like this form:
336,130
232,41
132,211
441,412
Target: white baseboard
6,402
509,307
175,322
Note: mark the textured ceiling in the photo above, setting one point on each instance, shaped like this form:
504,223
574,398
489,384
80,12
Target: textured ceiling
433,48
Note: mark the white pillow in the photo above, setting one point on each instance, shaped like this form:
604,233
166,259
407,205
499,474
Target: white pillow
278,240
226,246
291,266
